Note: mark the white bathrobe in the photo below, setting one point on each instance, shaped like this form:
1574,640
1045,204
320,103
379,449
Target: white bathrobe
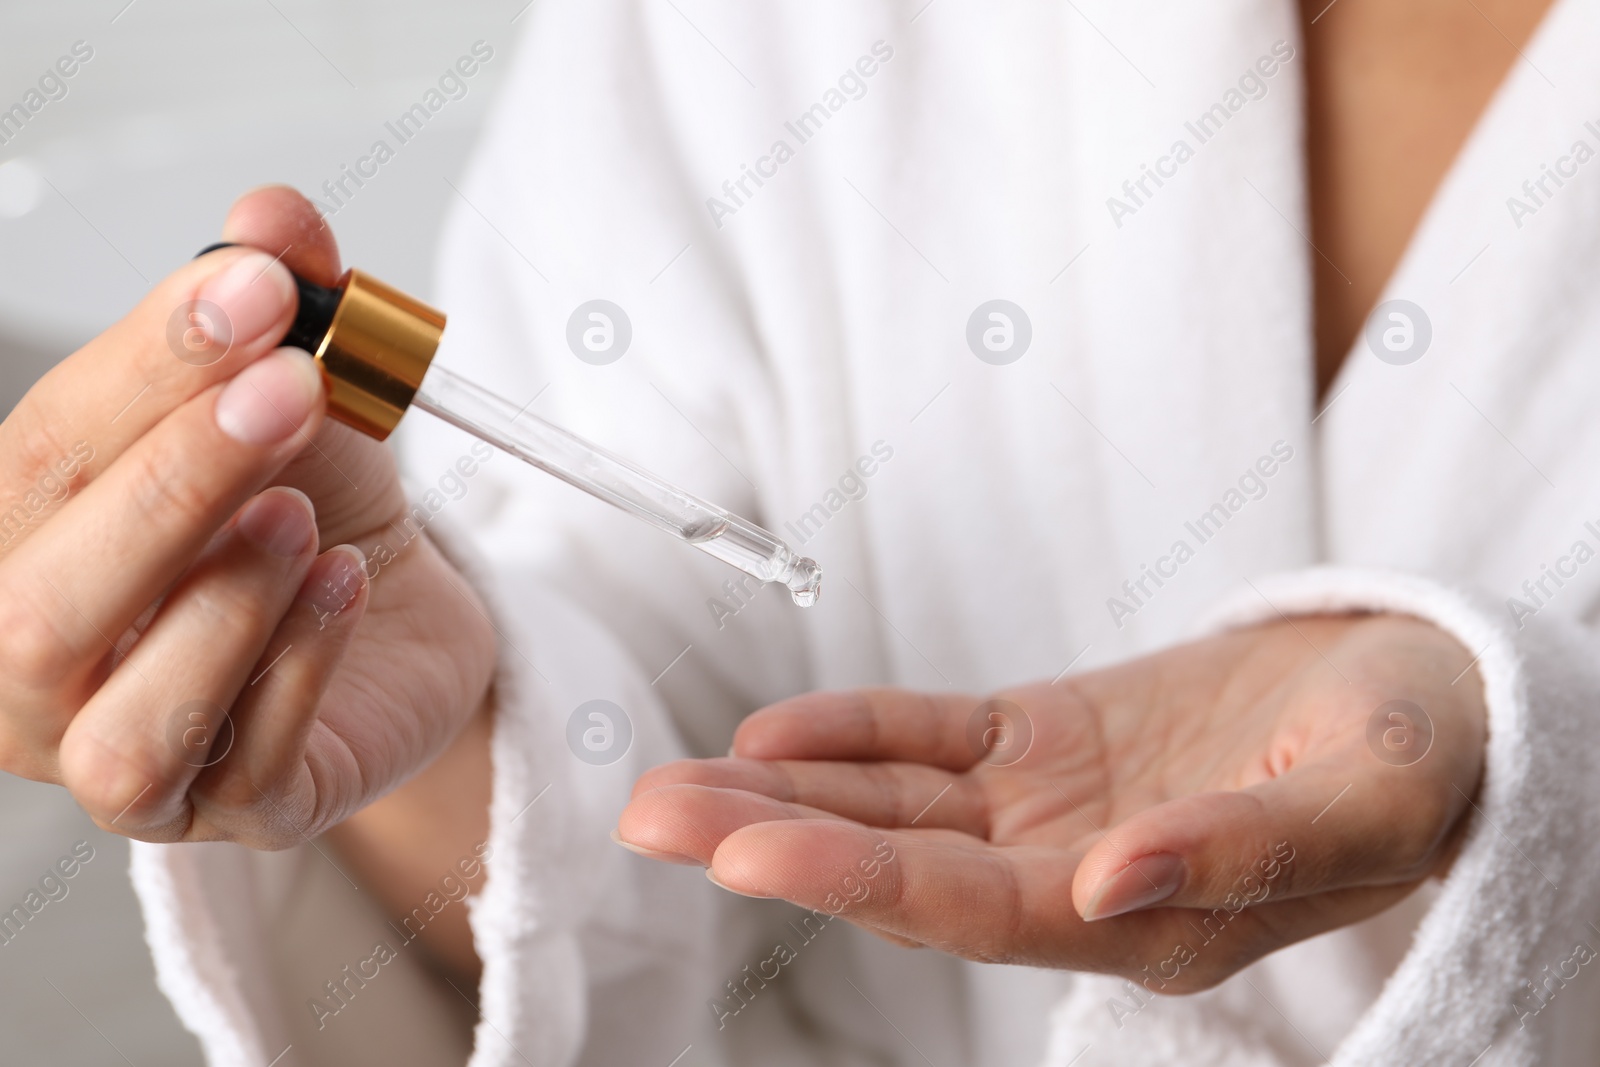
938,156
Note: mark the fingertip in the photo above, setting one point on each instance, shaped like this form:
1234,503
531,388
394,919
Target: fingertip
280,521
708,772
798,859
1221,849
655,824
336,587
249,298
677,772
777,731
653,854
274,398
354,552
711,875
1159,853
280,220
1143,883
739,864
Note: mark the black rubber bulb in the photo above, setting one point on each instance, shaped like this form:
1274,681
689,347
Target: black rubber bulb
315,314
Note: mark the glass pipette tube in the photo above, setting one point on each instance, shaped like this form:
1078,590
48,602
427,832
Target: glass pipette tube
556,451
376,345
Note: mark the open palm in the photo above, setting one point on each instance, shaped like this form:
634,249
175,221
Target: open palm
1229,796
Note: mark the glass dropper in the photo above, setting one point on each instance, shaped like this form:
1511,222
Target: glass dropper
375,345
613,479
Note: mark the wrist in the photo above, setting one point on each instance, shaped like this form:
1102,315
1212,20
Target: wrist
415,851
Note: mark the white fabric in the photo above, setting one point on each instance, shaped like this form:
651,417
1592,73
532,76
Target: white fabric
1169,355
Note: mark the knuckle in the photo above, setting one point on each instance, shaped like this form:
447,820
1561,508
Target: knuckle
126,787
59,467
23,756
165,493
46,468
227,609
887,796
1006,940
34,440
117,793
34,654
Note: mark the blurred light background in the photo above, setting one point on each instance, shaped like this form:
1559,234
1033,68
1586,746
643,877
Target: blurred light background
184,105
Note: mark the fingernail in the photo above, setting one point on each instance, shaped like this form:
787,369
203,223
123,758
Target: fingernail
712,875
336,580
650,853
270,399
279,522
1147,880
253,293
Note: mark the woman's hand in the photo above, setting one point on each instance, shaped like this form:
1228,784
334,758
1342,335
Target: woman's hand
1170,820
193,657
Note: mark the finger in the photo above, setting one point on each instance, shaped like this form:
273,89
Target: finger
935,888
877,794
286,776
959,894
686,823
117,546
277,219
120,755
198,327
863,724
1332,825
1010,904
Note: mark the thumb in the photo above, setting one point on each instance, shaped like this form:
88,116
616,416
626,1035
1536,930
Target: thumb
1332,825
